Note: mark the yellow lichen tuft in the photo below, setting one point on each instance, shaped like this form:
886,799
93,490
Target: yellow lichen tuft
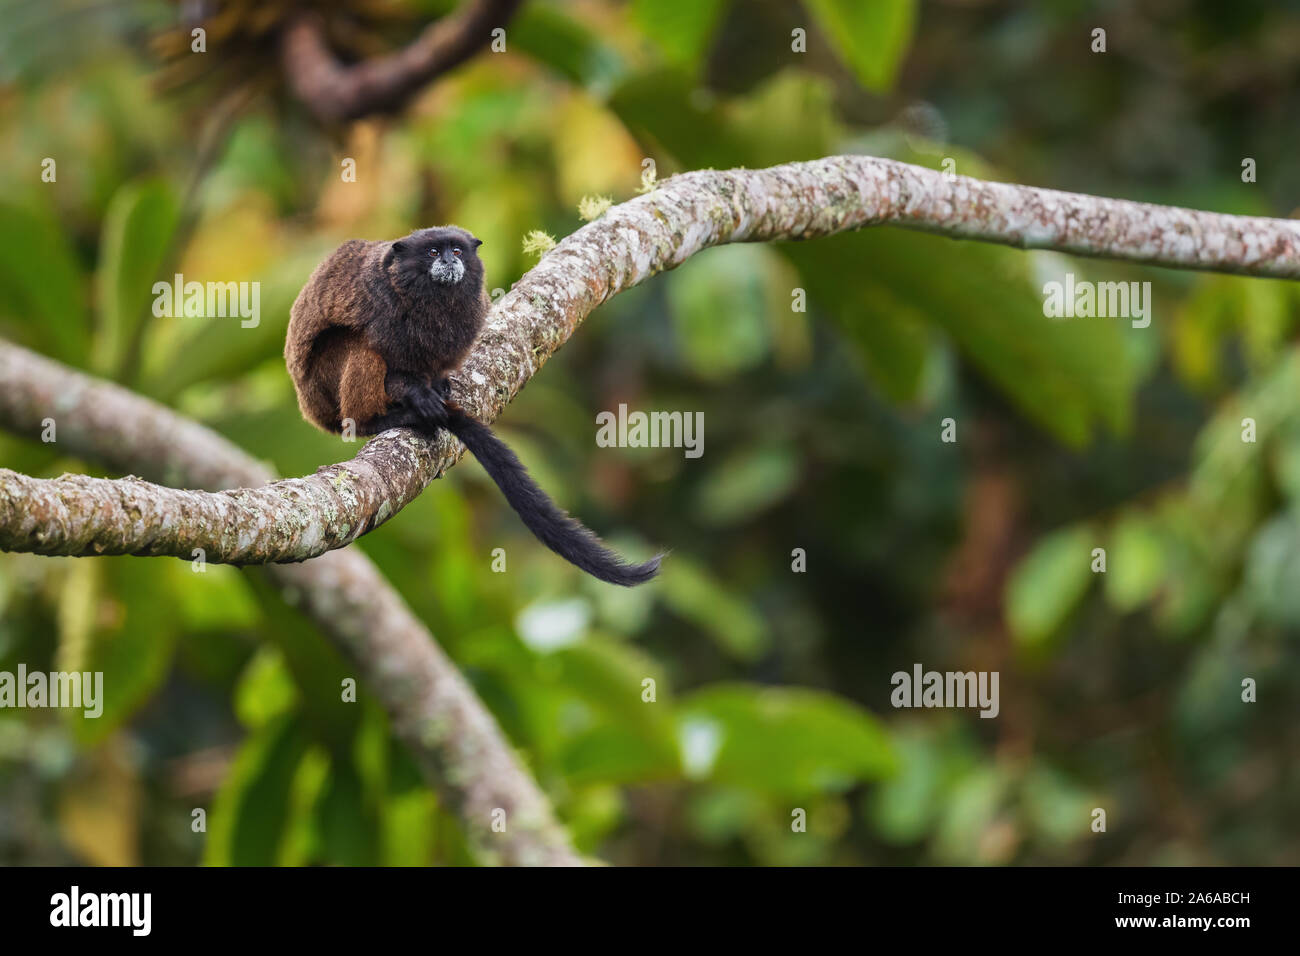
538,243
649,179
593,207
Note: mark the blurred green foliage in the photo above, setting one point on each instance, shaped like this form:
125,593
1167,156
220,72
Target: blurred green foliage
771,687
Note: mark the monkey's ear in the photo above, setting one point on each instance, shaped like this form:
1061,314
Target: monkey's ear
477,243
396,249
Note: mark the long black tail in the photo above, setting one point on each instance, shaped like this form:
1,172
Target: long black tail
559,531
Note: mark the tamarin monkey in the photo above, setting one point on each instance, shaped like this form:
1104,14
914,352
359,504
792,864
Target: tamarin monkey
372,338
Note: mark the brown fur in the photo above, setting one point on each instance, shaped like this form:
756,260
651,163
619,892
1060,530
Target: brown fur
371,324
372,337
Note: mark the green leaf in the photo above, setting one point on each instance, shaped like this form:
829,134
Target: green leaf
317,667
298,842
408,829
1259,310
680,28
134,652
591,814
1202,561
566,46
616,755
747,483
969,810
223,348
718,814
809,127
41,284
1226,468
628,739
216,599
139,226
1272,572
348,828
871,37
1048,584
1135,563
664,108
781,740
891,335
609,675
657,107
691,592
904,808
740,282
1054,805
265,690
1062,374
1285,462
252,808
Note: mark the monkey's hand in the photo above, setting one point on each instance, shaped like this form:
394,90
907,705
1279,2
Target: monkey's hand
420,407
428,403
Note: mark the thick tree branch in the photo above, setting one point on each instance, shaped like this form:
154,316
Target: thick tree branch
336,91
455,741
296,519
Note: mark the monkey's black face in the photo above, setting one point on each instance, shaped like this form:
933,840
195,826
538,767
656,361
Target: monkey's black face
445,255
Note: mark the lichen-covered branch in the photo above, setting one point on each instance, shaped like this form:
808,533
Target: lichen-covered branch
289,520
298,518
454,739
336,91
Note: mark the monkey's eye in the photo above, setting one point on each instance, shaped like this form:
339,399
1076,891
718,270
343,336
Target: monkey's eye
456,252
434,253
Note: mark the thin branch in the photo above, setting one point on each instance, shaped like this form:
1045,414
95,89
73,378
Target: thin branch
336,91
298,518
434,712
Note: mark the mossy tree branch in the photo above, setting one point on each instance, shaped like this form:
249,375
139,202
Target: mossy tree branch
337,92
299,518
